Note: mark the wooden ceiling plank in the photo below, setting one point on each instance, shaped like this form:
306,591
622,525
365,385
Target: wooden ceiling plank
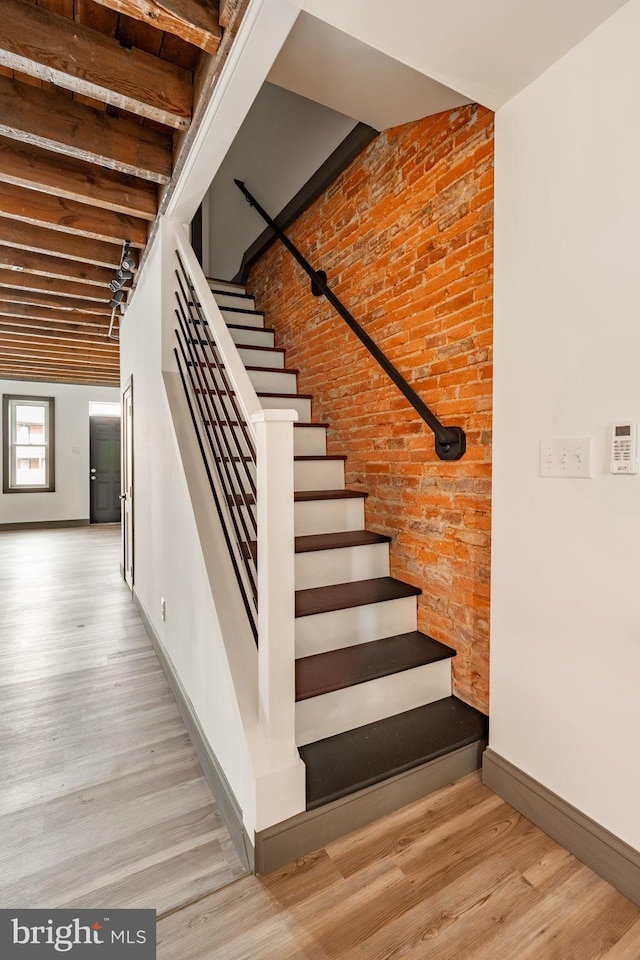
62,333
53,286
228,10
63,350
25,236
52,121
27,311
54,372
61,328
45,375
71,354
69,216
41,43
57,268
36,169
195,21
37,298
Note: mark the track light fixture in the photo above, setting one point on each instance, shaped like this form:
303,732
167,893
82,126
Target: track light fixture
124,273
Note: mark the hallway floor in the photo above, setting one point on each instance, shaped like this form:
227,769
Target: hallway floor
102,799
459,875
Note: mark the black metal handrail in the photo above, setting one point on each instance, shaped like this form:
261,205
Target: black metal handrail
450,441
223,436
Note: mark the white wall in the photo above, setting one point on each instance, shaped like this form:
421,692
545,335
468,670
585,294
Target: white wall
168,558
565,641
283,141
70,501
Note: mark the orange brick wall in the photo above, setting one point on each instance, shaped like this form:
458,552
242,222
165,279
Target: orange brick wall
406,237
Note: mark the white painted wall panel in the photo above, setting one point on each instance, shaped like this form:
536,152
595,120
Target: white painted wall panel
565,643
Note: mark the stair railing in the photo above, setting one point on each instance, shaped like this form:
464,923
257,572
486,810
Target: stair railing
450,442
247,453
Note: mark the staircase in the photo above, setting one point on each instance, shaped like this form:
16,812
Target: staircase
373,694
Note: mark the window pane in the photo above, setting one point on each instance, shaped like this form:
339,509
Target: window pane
31,466
99,408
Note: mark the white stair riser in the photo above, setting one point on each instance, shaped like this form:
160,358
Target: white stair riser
217,284
328,516
341,710
273,381
228,300
301,404
342,628
320,568
248,337
318,475
308,441
264,381
261,358
242,319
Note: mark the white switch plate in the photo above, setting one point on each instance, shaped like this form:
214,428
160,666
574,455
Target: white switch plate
572,457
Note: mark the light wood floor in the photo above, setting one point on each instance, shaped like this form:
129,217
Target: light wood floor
457,876
102,800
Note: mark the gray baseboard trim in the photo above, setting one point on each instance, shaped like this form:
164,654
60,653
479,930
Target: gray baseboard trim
602,851
43,524
293,838
213,772
352,145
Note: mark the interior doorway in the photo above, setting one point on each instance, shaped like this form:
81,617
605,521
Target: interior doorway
104,464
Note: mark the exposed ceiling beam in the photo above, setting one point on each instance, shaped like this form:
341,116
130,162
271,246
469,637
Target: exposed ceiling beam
37,169
52,121
24,236
38,299
53,286
26,312
69,216
195,21
25,261
35,41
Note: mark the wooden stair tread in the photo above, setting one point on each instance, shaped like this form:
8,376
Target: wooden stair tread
257,346
243,326
350,761
203,363
336,541
357,593
336,669
301,495
254,313
321,456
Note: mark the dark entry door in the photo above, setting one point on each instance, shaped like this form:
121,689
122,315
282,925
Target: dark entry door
104,456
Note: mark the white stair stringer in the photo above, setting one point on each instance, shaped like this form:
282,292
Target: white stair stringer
332,713
321,632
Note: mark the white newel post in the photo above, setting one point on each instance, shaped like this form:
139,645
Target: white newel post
280,787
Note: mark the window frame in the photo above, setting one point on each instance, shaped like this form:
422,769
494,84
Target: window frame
9,442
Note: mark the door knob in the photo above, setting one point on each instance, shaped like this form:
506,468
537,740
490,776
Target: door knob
93,469
92,478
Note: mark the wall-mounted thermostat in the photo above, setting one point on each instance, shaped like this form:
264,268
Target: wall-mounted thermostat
624,448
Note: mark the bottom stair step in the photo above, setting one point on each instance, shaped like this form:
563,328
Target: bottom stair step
358,758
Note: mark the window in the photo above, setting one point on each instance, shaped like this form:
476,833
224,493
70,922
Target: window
28,444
